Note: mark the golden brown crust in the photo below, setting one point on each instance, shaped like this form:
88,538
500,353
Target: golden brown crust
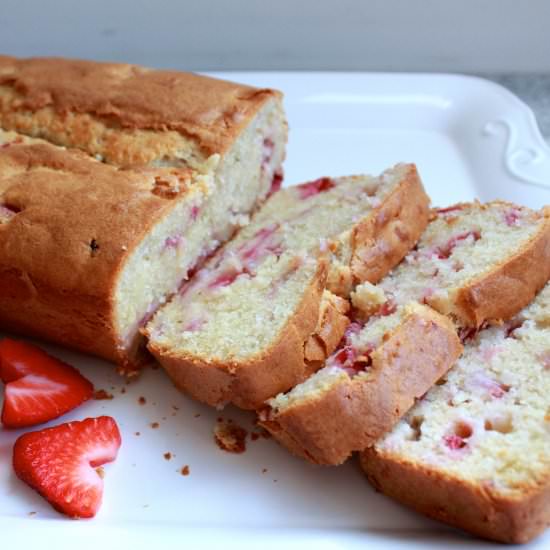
79,103
510,286
474,508
354,413
330,328
381,240
248,384
62,253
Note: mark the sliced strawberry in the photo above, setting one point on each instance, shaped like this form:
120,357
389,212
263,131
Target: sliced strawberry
59,463
38,387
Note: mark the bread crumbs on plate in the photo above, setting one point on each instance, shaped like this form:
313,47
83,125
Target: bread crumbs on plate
230,437
185,471
102,394
155,425
142,400
167,456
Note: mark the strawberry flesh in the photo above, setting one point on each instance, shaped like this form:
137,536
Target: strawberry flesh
454,442
276,183
226,278
39,387
195,212
387,308
512,217
59,463
444,252
306,190
261,245
449,209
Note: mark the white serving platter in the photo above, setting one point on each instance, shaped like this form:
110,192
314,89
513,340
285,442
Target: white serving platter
470,139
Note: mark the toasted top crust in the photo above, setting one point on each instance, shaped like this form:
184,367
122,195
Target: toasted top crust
42,96
71,220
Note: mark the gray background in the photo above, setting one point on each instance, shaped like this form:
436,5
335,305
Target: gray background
506,40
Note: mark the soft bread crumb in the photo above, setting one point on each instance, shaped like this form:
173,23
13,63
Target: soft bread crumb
102,394
230,437
367,299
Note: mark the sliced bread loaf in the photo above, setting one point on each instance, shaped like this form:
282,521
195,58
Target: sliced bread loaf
475,451
477,264
244,328
175,129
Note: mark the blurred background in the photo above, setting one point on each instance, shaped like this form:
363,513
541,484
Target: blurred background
505,40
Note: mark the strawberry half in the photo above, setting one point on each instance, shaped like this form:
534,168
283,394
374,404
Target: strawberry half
59,463
38,386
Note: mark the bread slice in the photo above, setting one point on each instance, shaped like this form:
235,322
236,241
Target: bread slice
87,251
244,328
170,125
365,387
476,264
475,451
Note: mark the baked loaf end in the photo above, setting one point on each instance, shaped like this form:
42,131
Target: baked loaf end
475,451
476,264
247,327
73,230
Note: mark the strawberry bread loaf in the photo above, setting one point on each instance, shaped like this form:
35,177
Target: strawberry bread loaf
185,159
475,451
270,306
475,264
82,243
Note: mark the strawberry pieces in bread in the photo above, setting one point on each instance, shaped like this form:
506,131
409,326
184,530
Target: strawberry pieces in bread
265,311
474,452
59,462
38,387
475,264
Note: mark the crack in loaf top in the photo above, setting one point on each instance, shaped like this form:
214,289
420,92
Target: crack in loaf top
207,111
64,215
